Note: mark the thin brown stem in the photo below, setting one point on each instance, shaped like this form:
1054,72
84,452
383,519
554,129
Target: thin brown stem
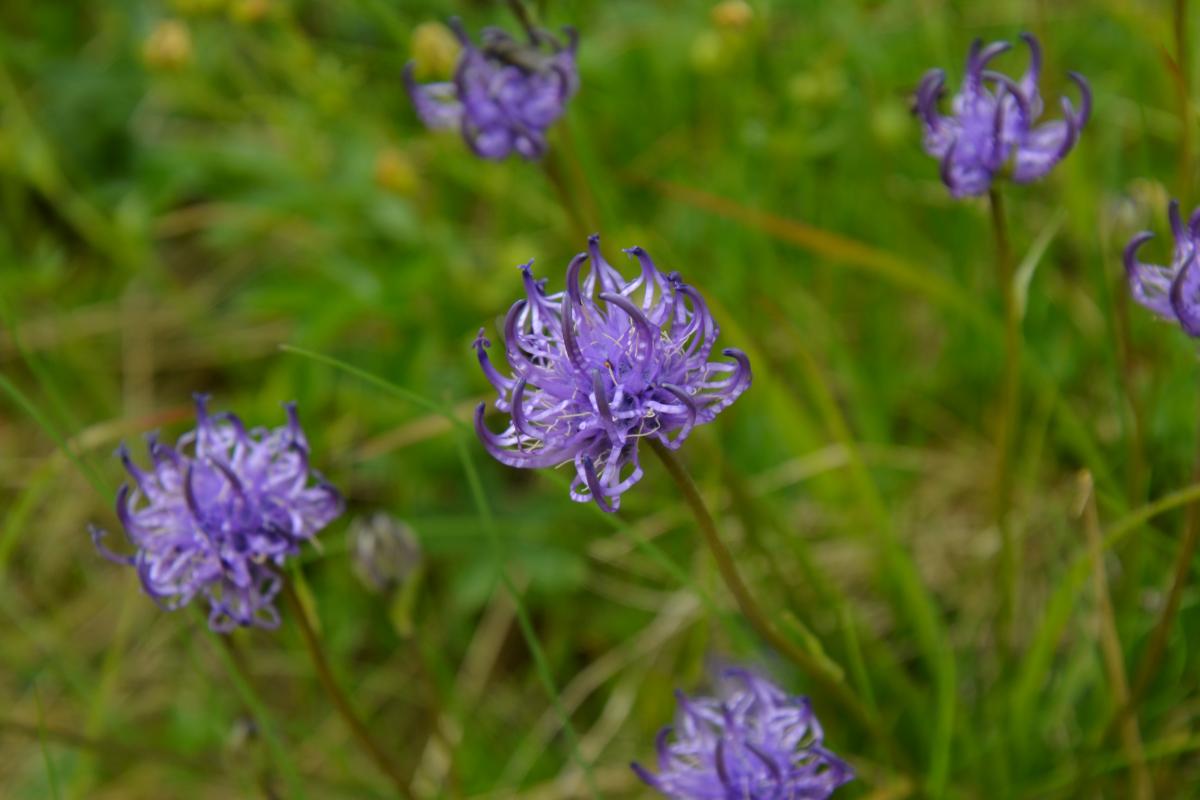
340,701
1183,64
732,579
525,17
1010,399
1127,360
554,166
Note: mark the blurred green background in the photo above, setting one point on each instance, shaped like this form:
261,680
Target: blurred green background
187,185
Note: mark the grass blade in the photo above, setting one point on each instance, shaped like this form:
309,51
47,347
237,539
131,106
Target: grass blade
483,509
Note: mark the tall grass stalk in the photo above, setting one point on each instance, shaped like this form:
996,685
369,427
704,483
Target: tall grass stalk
1110,646
913,595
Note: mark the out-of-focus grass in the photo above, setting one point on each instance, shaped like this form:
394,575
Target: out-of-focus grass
187,185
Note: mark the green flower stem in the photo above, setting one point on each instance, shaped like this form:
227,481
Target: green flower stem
1010,401
835,688
340,701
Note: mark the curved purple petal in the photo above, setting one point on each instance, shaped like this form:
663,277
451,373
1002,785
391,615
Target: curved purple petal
747,743
995,123
1185,296
435,103
591,379
216,510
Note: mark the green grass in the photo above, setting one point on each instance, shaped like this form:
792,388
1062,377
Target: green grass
241,202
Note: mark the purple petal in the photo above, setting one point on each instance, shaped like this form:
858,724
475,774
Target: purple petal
1185,296
1149,284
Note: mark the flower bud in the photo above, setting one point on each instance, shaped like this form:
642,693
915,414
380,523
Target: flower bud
384,551
395,172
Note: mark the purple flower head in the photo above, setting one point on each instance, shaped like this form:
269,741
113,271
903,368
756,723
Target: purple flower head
753,742
1171,292
602,365
505,93
993,124
218,514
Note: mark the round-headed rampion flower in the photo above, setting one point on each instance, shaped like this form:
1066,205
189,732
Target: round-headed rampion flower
219,513
593,374
993,124
753,742
1171,292
505,94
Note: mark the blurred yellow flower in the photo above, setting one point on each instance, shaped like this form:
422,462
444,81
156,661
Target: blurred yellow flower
197,7
247,12
169,45
435,51
732,14
820,85
395,172
708,53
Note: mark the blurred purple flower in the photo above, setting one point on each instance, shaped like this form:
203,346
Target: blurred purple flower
1171,292
504,95
219,513
594,375
754,742
384,551
993,122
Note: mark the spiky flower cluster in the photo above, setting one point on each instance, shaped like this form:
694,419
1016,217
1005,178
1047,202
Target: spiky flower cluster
753,742
593,374
1172,292
505,94
218,514
993,122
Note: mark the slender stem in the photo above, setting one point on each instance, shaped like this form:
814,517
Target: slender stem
51,770
235,662
1156,649
1184,66
749,608
553,165
1152,658
1125,356
525,17
1110,646
340,701
1010,399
